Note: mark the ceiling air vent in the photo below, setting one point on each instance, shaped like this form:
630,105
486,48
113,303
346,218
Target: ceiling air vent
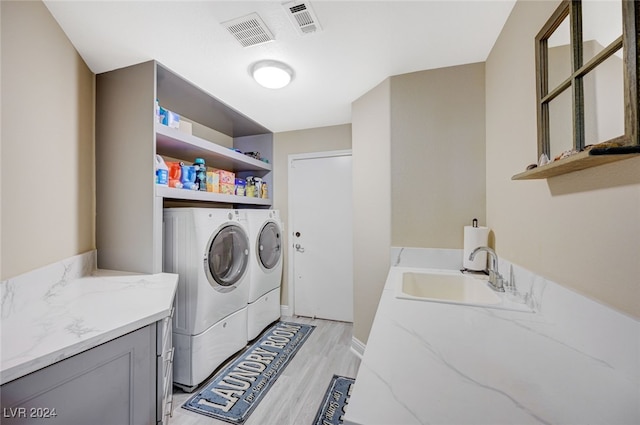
302,17
249,30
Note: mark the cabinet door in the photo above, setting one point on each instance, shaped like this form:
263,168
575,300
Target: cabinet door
113,383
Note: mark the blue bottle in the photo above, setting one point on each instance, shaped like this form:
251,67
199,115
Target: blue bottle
201,174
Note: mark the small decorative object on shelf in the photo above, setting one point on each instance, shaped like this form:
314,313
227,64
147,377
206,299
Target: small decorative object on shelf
544,160
604,145
565,154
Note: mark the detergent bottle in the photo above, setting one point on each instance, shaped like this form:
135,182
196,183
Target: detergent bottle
264,191
162,172
175,173
188,178
201,174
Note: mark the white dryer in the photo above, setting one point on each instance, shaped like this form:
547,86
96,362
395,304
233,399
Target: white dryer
209,250
265,232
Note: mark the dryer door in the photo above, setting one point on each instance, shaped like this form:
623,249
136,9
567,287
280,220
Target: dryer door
227,258
269,246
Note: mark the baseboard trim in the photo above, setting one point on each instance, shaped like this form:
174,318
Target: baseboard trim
284,311
357,347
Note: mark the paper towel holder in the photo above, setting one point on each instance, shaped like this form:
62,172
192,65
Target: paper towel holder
474,223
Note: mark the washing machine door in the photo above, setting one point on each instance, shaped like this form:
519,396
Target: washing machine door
227,257
269,246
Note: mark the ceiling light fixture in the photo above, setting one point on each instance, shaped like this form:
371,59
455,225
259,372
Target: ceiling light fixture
272,74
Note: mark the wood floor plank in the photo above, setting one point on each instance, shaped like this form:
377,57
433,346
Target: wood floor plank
296,395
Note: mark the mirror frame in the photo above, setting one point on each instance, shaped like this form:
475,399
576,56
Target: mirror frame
630,39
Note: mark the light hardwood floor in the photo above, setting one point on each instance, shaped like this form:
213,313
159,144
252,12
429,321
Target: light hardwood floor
296,395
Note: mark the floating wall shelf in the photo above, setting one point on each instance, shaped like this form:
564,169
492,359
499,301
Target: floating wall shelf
579,161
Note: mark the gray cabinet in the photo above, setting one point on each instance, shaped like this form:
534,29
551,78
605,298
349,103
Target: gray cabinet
113,383
124,381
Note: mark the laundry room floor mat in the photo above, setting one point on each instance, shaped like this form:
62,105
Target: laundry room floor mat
331,410
235,391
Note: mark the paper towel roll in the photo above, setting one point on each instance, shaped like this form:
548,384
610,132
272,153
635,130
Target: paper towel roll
473,238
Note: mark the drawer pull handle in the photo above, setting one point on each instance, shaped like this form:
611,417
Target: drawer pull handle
169,406
169,359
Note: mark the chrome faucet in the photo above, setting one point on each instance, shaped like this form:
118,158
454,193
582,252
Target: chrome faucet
496,281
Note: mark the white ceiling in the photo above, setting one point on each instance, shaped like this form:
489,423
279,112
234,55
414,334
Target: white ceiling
361,44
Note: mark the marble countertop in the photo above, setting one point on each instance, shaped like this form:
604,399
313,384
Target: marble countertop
572,361
43,325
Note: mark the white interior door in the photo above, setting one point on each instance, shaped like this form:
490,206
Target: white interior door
320,235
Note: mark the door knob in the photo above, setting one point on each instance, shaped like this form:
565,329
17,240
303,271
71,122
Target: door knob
299,248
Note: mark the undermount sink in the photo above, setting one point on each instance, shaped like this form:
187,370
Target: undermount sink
447,287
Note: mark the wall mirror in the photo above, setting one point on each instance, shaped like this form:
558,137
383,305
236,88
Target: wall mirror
587,78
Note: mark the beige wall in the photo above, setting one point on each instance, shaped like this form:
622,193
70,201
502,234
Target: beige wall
371,129
47,142
579,229
437,155
420,137
295,142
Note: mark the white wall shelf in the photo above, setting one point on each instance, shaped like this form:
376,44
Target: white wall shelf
196,195
178,144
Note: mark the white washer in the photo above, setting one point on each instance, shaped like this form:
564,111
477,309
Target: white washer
209,250
265,230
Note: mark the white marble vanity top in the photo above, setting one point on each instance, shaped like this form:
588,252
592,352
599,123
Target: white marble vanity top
572,361
45,323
